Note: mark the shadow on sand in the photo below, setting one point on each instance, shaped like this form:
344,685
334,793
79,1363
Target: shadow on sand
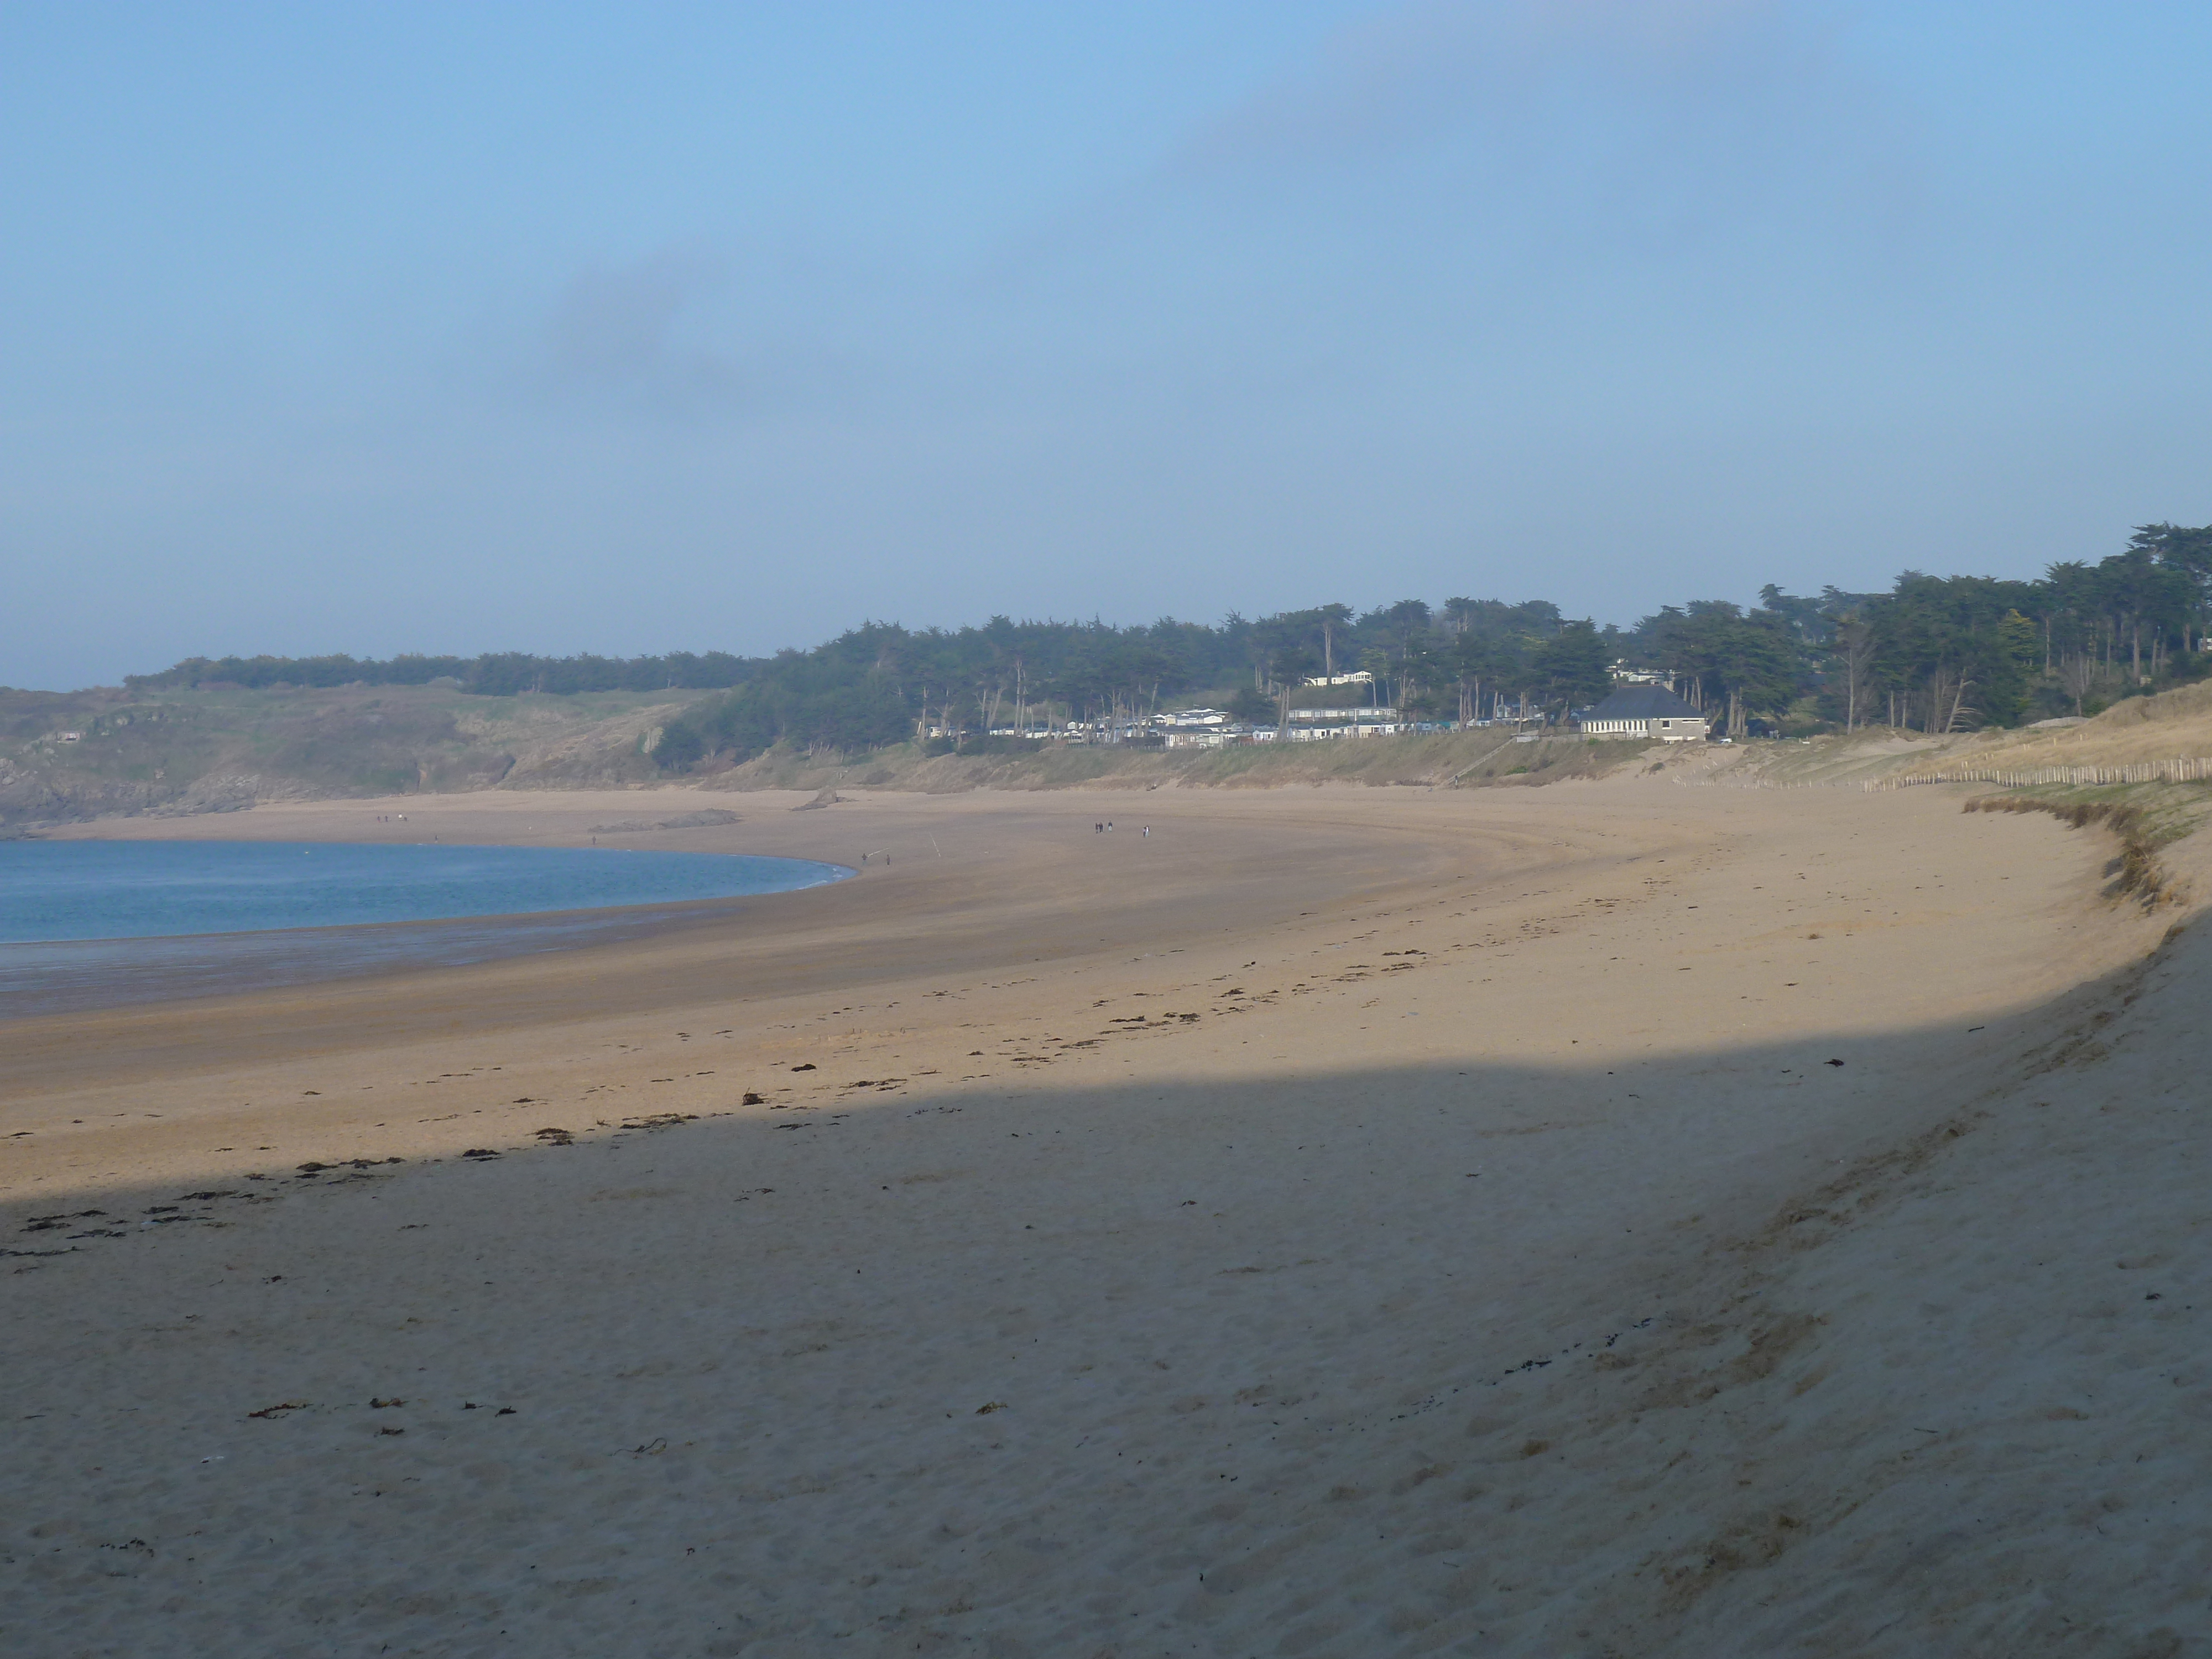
1733,1352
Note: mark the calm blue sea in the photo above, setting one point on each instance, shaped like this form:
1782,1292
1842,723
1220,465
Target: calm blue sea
86,923
79,890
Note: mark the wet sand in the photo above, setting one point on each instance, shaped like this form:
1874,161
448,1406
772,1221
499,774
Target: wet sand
1337,1222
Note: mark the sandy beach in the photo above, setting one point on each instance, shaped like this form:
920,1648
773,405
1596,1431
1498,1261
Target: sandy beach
1615,1218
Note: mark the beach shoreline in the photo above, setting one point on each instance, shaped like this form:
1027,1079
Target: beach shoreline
1036,1223
268,944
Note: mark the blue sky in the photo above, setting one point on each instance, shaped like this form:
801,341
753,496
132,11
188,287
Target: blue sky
566,327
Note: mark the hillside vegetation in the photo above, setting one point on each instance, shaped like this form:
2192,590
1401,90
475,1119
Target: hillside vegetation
2170,726
1430,760
221,749
177,751
214,750
1952,667
1932,655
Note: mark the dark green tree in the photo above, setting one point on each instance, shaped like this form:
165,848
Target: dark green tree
1572,668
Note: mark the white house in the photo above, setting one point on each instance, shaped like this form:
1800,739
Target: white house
1362,715
1644,714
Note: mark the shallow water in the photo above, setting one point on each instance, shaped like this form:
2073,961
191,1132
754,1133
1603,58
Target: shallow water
88,924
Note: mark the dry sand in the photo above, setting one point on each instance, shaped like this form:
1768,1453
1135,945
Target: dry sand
1339,1223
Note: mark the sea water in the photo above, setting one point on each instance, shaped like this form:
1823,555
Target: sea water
88,889
84,923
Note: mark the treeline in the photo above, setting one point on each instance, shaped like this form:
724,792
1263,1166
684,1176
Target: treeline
495,674
1932,654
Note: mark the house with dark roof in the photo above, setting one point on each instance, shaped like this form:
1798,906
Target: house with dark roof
1644,714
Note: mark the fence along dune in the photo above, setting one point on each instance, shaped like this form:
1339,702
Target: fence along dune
2189,769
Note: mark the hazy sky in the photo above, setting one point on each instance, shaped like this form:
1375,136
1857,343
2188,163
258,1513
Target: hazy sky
623,329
